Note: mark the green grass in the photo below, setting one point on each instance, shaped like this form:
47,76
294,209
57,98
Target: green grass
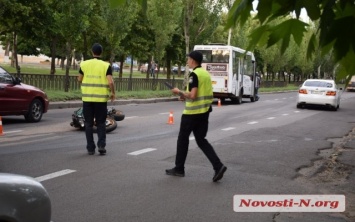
55,96
278,89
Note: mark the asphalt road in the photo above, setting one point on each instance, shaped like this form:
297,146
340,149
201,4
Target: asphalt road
269,147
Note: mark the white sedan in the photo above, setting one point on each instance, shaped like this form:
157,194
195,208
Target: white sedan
322,92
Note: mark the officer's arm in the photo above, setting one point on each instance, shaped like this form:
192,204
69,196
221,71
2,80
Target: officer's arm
80,78
110,84
81,75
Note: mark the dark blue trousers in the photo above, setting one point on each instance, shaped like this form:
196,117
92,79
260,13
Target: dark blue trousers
97,111
198,124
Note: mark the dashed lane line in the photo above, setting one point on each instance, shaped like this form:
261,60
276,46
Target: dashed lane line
54,175
253,122
229,128
138,152
271,117
131,117
13,131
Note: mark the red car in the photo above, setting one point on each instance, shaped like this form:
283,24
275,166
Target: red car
17,98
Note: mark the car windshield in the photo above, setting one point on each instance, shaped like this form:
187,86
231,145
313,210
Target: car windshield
318,84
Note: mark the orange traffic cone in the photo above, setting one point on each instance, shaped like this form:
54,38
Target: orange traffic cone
171,118
219,103
1,130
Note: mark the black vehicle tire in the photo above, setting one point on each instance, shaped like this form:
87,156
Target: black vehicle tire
335,108
110,127
239,99
35,111
299,106
118,116
253,98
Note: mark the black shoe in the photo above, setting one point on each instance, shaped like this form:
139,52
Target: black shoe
91,152
102,150
174,172
219,173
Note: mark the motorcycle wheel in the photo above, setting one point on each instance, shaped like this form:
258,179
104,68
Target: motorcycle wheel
118,115
111,125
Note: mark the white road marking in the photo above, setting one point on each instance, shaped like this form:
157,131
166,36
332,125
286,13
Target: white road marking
164,113
276,99
285,114
192,138
271,117
14,131
251,123
138,152
131,117
54,175
297,111
229,128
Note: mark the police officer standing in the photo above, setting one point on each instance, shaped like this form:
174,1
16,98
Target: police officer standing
198,96
97,88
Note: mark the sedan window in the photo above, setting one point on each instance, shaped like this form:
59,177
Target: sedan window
6,78
318,84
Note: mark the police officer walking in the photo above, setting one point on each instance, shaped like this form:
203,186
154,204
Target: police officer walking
97,88
198,96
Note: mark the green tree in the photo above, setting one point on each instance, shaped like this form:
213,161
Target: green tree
336,30
22,18
163,17
69,11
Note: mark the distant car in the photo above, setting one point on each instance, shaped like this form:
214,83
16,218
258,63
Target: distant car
17,98
174,70
351,85
23,199
322,92
115,67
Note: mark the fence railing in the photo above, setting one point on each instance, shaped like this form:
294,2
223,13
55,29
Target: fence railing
47,82
56,82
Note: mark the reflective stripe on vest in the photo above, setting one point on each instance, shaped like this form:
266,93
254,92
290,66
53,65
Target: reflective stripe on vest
94,87
204,97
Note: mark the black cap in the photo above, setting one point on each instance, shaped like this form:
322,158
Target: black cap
96,49
196,55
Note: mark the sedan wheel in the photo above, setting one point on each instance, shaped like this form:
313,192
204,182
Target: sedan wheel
35,111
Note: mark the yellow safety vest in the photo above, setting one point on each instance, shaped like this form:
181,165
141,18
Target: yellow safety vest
204,97
94,87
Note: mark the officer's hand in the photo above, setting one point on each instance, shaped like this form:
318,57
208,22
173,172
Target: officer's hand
175,90
113,97
182,98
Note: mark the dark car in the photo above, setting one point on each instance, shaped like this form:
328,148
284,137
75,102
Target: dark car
23,199
17,98
175,69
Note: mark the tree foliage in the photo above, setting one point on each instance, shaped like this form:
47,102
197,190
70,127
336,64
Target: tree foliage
336,30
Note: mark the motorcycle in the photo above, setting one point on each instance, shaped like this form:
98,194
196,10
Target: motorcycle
113,115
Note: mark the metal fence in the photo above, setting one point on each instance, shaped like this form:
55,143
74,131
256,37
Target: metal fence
56,82
47,82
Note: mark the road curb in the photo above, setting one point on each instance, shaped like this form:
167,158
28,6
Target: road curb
79,103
